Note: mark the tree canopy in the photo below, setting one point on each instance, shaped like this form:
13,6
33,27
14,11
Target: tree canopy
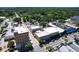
41,14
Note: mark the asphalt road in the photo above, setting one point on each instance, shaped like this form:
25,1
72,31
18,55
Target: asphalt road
34,42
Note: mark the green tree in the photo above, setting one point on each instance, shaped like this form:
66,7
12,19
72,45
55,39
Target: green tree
66,40
0,48
10,44
29,46
50,48
41,42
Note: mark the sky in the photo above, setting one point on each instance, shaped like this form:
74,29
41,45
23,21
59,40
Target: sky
39,3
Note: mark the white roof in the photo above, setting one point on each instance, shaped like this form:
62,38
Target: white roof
34,27
20,29
56,27
68,20
48,30
53,29
71,25
41,33
2,17
51,24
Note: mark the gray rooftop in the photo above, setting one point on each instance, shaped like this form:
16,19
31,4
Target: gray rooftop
75,18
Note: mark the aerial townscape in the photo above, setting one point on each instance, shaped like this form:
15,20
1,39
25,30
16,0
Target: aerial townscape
39,29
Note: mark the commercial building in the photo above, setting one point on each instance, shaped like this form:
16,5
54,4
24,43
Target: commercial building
57,25
71,27
75,19
21,37
9,35
49,33
3,45
34,28
2,17
68,28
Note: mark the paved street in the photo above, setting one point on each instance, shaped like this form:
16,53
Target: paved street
35,43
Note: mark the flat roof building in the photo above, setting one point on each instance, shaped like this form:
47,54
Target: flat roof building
68,27
47,33
75,19
71,25
49,30
20,29
9,35
35,28
2,17
56,27
21,37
